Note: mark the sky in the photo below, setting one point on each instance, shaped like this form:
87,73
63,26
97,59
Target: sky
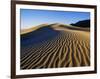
31,17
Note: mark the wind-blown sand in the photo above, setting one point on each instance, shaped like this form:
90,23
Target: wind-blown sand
55,46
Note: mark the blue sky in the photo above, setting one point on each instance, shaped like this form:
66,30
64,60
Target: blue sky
32,17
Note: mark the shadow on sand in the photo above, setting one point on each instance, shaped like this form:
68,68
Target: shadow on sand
37,36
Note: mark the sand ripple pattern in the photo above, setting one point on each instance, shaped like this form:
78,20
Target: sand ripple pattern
70,48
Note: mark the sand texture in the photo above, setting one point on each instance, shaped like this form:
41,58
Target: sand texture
55,46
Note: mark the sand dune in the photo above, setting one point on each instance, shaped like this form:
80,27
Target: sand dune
24,31
55,46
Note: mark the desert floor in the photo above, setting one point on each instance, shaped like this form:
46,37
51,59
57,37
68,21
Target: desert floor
55,46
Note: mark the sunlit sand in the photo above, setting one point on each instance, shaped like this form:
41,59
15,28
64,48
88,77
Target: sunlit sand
55,46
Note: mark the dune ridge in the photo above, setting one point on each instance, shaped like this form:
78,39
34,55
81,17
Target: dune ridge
25,31
68,48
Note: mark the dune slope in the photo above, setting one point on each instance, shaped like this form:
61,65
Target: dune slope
55,46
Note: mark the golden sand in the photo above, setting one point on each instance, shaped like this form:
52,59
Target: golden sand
71,48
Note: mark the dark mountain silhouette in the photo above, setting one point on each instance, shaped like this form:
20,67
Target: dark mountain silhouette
84,23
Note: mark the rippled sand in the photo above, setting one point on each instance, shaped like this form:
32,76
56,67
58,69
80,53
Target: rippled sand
69,48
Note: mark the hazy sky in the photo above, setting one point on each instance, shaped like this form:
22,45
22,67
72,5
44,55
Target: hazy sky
31,17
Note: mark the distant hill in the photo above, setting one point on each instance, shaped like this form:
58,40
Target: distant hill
84,23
